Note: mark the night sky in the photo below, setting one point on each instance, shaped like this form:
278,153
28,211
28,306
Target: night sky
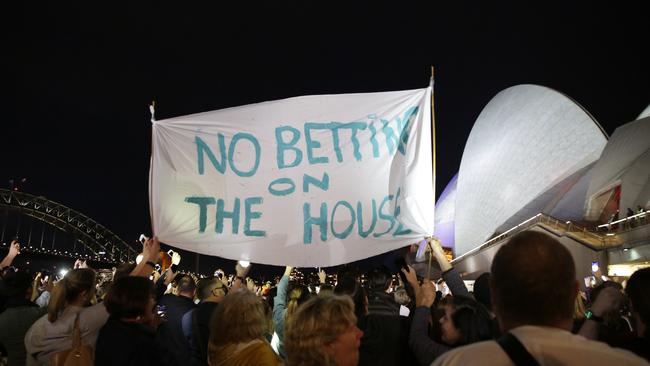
79,78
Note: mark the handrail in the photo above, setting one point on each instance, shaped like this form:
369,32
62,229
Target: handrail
567,227
633,217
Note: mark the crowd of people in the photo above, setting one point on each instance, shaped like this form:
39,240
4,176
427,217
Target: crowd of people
528,310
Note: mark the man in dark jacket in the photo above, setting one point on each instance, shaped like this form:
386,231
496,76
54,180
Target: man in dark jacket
19,315
196,322
385,339
170,333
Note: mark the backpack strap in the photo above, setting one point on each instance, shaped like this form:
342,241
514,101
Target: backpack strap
76,333
516,351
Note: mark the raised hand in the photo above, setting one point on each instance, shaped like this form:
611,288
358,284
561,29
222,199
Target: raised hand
427,295
322,276
287,270
241,270
150,250
250,284
411,277
14,249
439,253
49,285
176,258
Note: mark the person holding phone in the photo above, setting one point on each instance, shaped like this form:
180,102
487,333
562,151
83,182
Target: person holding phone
14,251
464,320
128,337
170,334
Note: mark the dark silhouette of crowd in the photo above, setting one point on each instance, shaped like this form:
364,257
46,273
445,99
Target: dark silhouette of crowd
528,310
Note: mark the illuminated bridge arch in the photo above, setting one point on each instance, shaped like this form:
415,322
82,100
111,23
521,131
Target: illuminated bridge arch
79,235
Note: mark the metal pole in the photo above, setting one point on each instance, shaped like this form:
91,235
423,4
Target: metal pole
29,238
18,226
42,233
4,224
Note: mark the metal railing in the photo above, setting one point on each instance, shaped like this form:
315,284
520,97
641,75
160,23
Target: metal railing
577,232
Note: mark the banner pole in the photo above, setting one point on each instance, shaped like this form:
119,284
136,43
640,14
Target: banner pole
433,138
428,276
433,164
152,109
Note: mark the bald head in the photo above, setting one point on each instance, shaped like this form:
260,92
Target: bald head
533,281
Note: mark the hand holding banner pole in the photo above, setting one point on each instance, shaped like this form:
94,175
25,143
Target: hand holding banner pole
435,248
152,109
428,275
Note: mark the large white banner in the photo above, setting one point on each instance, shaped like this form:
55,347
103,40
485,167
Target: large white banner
307,181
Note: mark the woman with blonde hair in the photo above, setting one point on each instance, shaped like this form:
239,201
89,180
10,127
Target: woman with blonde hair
237,333
285,305
323,332
70,301
51,336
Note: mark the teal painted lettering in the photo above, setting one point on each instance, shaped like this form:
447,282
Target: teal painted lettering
203,203
404,127
334,126
365,233
336,138
223,214
323,184
385,216
202,147
344,234
282,192
373,140
401,229
282,146
312,144
391,138
321,221
250,215
231,153
354,127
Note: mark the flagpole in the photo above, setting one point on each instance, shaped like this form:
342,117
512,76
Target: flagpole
428,276
433,163
433,137
152,109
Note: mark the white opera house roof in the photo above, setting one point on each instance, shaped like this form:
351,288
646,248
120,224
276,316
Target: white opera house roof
532,150
645,113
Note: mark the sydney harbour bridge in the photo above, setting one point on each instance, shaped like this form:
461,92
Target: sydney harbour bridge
50,228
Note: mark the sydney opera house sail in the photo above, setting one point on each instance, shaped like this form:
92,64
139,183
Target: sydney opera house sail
445,212
645,113
624,167
529,146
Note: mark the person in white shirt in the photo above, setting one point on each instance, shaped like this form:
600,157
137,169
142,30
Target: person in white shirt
533,290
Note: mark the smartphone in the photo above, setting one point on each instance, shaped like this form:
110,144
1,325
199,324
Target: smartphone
594,266
143,238
161,310
400,263
218,273
170,253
